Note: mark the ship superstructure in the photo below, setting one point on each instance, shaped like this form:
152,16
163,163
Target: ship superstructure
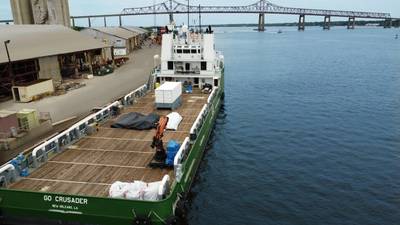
191,58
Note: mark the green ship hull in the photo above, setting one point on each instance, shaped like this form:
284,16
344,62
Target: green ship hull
24,207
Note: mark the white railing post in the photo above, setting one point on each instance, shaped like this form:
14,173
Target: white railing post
8,167
179,157
197,123
131,95
214,91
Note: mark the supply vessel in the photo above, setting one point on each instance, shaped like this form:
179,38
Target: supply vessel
99,174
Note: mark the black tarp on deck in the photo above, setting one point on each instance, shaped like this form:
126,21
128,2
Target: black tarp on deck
137,121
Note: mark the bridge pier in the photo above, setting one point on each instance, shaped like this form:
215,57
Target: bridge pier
89,22
302,20
352,23
105,21
396,23
73,21
327,23
261,22
120,21
388,23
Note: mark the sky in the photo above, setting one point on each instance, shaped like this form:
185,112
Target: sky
85,7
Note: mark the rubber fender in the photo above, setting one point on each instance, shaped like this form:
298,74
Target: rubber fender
1,217
142,220
181,209
174,220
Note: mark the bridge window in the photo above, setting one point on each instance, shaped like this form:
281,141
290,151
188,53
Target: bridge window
170,65
194,51
199,51
203,66
186,51
179,51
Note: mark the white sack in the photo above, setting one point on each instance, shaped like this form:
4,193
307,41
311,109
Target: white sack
174,119
117,190
137,190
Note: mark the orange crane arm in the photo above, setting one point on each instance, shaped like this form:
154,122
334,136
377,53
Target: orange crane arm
162,124
157,143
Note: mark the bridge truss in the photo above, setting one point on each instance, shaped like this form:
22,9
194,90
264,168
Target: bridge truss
260,7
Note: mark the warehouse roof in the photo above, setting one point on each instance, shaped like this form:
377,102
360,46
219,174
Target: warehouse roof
136,29
116,31
35,41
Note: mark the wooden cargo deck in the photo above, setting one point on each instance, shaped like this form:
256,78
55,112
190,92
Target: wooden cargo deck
92,164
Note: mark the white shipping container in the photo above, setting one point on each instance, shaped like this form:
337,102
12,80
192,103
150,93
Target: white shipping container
168,92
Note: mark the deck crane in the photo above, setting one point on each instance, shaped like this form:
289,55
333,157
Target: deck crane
157,143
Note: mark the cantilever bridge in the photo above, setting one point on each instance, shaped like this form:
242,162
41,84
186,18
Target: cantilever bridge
262,7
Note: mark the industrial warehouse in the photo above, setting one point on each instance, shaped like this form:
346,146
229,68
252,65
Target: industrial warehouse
46,52
124,39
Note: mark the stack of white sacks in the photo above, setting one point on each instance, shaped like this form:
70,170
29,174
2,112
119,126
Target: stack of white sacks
139,190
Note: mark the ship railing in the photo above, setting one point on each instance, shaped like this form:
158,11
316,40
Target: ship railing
179,157
137,93
152,79
101,117
7,175
212,95
181,71
198,123
190,56
9,172
69,136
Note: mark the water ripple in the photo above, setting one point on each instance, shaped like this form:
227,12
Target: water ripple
309,134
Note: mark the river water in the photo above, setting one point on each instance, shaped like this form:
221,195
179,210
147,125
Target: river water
310,131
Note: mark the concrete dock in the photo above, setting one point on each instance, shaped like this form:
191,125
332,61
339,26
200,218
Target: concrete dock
98,91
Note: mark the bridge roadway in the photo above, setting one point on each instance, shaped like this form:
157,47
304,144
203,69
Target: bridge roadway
262,7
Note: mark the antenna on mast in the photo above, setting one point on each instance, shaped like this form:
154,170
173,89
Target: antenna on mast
188,12
200,18
155,15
